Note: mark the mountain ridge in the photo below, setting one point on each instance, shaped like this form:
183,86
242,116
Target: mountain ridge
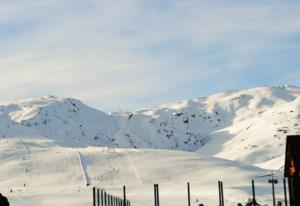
221,125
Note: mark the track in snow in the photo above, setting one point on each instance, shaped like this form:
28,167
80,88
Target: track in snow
84,173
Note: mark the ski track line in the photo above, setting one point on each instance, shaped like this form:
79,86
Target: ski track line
134,167
82,168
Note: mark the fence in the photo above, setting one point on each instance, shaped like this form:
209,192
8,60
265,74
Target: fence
102,198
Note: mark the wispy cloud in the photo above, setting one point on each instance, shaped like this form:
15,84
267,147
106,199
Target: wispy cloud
133,53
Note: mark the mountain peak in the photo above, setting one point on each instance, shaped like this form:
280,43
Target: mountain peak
243,122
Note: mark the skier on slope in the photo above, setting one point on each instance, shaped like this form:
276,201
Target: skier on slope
3,200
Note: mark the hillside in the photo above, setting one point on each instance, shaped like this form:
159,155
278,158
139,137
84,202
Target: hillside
236,125
53,149
40,174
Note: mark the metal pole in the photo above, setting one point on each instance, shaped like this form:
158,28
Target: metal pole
219,188
105,199
124,195
273,193
157,194
222,193
155,200
94,196
189,194
253,192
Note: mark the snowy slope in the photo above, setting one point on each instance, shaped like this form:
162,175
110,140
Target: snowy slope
245,125
65,120
39,174
53,149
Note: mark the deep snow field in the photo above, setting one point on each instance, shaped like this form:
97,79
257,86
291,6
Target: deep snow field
51,148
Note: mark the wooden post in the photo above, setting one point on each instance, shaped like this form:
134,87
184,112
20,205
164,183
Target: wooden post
253,192
219,188
156,195
94,196
189,194
155,200
222,193
124,195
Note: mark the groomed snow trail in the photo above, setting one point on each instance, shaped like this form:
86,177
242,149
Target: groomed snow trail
84,174
136,173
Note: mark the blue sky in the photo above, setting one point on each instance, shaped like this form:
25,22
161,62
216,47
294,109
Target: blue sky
133,53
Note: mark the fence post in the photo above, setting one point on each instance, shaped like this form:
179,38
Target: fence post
219,188
124,195
156,195
253,192
94,196
101,195
222,193
155,200
189,194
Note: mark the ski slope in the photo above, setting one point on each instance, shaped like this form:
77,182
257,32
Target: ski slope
53,150
56,175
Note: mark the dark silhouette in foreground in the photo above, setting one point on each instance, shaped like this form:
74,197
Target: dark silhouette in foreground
3,200
251,202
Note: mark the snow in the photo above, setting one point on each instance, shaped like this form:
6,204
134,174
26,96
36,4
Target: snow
57,175
60,147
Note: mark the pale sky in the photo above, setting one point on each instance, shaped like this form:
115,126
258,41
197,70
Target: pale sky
131,54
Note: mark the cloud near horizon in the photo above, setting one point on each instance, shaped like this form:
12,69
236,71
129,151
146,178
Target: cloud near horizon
132,53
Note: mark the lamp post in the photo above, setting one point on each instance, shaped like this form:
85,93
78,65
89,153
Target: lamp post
273,182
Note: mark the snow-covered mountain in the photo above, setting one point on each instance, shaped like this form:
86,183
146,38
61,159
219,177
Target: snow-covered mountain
237,125
52,148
